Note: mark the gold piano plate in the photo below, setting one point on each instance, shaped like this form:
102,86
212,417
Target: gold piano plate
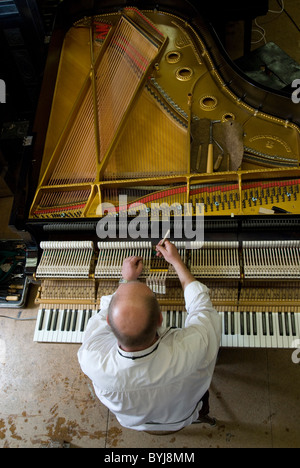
135,97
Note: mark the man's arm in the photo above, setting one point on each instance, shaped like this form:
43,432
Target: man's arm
171,255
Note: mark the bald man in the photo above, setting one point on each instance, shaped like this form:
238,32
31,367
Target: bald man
152,378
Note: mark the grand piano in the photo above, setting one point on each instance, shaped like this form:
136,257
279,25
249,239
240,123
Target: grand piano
148,112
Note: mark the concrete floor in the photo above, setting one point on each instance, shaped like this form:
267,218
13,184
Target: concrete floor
46,400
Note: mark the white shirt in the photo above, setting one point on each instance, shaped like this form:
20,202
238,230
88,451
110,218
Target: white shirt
159,388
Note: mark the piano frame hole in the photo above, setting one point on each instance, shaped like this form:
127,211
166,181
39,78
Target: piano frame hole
184,74
228,117
208,103
173,56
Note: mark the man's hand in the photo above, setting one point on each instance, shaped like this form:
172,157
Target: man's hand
132,268
169,252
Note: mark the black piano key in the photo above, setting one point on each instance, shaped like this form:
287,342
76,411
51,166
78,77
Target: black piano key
264,323
226,323
82,325
174,324
271,328
248,323
41,319
294,332
89,314
49,320
254,323
63,322
179,320
280,324
75,315
232,323
69,319
54,324
242,323
287,325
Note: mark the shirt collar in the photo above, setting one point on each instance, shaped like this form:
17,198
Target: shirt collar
139,354
144,352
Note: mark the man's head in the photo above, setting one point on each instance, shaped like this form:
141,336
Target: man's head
134,316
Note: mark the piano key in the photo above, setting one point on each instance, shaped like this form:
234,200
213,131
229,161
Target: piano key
281,339
234,329
69,318
245,329
280,323
54,325
276,335
63,322
226,339
240,337
41,318
271,329
83,317
226,323
259,340
256,330
74,320
50,316
293,324
223,336
297,325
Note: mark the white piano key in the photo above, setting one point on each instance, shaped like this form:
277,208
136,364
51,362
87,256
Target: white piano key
258,338
277,339
234,319
281,339
223,335
250,331
246,333
230,336
297,323
240,338
272,326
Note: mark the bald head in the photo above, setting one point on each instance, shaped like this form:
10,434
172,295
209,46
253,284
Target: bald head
134,316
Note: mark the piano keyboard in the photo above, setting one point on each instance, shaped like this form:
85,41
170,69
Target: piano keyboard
240,329
65,325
